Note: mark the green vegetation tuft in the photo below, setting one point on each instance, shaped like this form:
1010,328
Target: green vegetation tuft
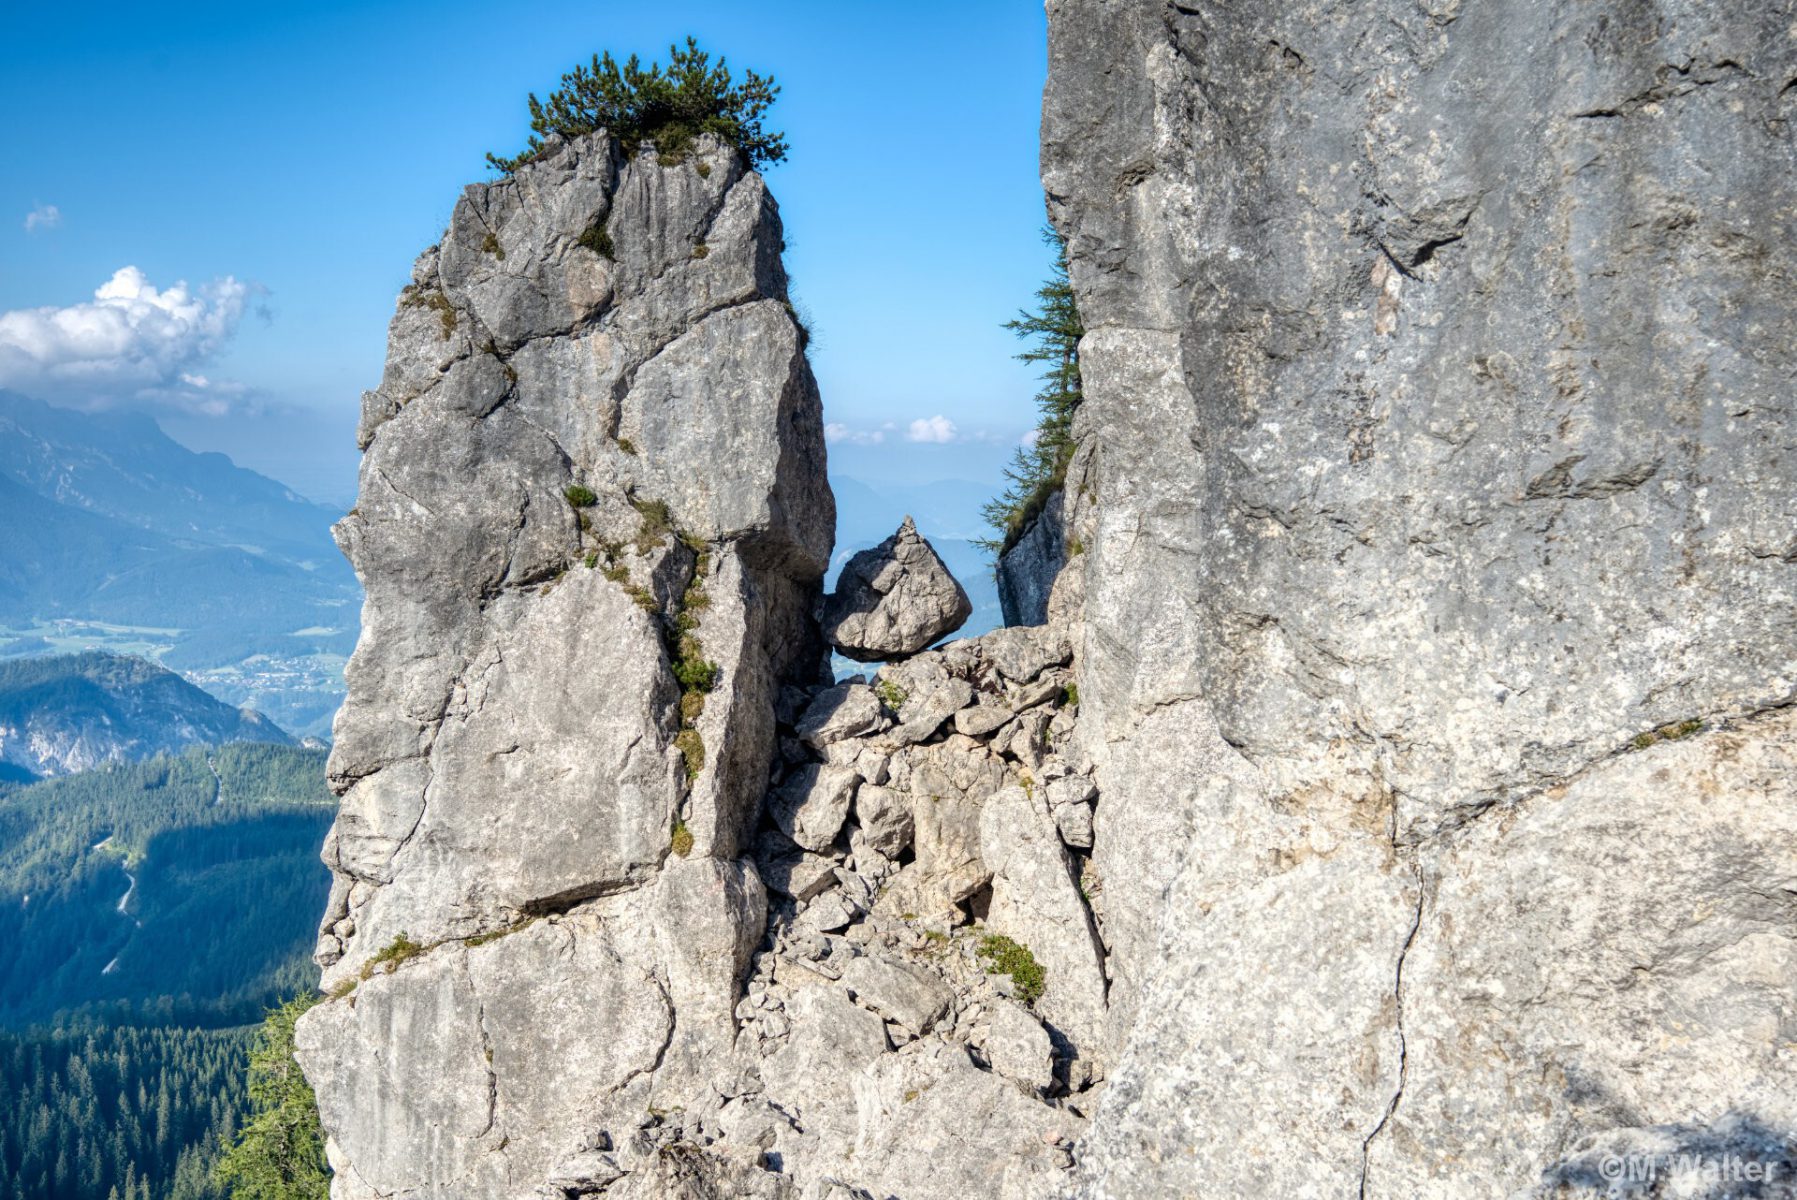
1038,470
658,523
627,446
1070,695
279,1153
1007,957
671,107
401,949
694,673
490,245
1667,733
493,935
692,749
597,238
436,301
800,319
592,559
891,694
681,840
701,250
580,496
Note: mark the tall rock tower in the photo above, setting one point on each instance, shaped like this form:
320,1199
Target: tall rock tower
592,525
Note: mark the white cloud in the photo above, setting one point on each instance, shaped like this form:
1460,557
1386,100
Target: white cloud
44,216
130,342
1032,437
937,429
835,432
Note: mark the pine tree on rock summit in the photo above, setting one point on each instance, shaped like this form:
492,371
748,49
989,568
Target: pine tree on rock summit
670,106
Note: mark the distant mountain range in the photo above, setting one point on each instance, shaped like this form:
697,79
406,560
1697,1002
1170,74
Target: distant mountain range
119,537
74,712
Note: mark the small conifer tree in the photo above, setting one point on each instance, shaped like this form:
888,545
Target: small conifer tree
1039,467
279,1153
670,106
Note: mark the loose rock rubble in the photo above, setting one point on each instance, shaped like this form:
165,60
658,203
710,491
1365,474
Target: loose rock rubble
884,890
878,1043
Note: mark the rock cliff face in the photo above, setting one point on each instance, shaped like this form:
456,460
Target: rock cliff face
1437,496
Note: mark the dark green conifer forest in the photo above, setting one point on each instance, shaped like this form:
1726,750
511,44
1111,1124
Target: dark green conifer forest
151,913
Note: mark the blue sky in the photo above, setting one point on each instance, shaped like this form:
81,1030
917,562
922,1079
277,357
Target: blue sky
308,152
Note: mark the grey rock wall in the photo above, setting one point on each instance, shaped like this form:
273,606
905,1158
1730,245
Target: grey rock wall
1437,494
1028,570
1394,790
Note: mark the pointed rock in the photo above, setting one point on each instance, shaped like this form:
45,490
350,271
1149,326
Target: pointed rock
893,600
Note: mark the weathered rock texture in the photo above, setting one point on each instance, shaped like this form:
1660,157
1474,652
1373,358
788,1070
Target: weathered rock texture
894,599
630,898
596,455
1438,500
1396,794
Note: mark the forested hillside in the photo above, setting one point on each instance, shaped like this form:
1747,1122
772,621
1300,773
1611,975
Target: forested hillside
117,1113
123,890
150,912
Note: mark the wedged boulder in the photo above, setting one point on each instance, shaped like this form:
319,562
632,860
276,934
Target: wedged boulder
894,600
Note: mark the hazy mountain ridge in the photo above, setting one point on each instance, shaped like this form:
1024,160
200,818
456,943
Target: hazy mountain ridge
122,466
120,537
71,713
